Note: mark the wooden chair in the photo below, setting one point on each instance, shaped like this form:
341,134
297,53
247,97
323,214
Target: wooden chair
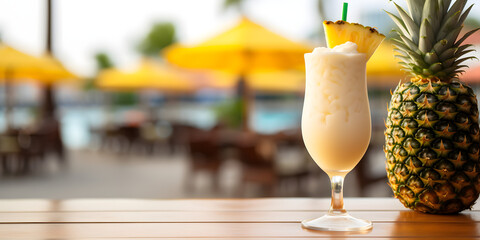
50,128
257,155
10,153
32,145
179,136
153,135
364,176
295,171
127,137
203,155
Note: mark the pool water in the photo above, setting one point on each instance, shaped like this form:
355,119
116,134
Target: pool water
76,121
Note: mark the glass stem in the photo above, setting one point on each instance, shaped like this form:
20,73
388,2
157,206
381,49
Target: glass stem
336,207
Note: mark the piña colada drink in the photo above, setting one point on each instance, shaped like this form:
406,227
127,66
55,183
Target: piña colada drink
336,122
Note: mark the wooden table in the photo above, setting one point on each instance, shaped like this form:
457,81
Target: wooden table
262,219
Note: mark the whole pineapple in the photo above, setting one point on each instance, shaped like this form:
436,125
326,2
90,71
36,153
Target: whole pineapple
432,132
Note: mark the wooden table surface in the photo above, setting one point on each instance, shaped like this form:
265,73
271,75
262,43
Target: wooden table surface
220,219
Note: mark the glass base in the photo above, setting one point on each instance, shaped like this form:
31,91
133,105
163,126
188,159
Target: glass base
343,222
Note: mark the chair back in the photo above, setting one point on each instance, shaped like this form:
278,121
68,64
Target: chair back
202,144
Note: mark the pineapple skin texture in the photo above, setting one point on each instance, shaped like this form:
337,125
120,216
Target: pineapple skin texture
432,146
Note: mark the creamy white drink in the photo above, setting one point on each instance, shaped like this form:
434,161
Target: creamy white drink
336,124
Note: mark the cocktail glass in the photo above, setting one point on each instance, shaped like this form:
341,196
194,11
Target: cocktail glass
336,125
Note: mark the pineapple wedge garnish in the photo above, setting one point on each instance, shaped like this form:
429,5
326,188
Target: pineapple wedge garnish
340,32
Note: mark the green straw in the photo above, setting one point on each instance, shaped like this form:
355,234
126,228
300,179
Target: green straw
345,10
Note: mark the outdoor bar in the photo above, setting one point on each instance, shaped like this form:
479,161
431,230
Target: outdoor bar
239,119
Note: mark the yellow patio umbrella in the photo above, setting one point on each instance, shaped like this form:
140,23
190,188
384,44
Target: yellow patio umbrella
265,81
383,68
18,66
149,75
52,71
247,47
11,59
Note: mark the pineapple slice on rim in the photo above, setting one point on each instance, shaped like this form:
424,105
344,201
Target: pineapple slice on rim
340,32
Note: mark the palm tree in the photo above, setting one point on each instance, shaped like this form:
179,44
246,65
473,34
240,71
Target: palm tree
161,35
103,61
321,15
236,4
320,9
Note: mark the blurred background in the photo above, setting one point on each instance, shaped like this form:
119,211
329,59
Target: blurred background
175,99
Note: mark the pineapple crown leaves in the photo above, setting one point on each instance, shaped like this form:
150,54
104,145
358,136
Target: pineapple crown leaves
428,40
